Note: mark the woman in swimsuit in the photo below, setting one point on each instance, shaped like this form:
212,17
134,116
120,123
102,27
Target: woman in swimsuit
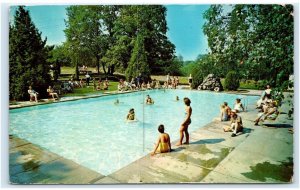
238,106
184,126
163,142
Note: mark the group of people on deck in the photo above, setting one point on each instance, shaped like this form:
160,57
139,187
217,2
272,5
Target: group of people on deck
33,95
171,82
267,106
138,84
236,123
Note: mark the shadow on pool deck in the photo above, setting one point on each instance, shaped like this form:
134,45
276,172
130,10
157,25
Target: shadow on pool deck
208,141
29,164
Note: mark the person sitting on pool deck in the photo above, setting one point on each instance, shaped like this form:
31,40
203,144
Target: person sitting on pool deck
131,115
227,109
236,124
224,115
238,106
52,93
270,111
149,100
163,144
33,94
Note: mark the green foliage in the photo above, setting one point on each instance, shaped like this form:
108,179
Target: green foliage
232,81
204,65
86,35
28,56
197,77
187,68
60,55
262,84
138,65
149,21
175,67
254,40
109,33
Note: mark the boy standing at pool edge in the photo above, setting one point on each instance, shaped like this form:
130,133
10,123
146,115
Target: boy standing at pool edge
163,142
184,126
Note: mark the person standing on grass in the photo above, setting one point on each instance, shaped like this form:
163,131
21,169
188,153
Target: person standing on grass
183,130
87,78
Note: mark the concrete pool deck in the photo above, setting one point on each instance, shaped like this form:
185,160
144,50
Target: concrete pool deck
262,154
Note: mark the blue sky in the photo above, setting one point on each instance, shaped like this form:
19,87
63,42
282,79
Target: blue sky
184,22
49,20
185,29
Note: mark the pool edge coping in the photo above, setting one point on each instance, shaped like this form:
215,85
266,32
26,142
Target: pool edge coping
125,92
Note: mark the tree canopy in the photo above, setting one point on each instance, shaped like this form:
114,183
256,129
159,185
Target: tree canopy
110,33
28,56
254,40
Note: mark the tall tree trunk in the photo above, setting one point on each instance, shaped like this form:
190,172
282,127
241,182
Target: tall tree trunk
108,70
98,64
112,69
76,70
103,67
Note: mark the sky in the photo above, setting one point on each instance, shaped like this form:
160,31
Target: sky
185,29
184,22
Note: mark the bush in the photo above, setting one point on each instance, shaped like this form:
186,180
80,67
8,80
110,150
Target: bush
261,84
197,78
232,81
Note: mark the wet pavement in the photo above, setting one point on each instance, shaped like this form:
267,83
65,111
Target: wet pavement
262,154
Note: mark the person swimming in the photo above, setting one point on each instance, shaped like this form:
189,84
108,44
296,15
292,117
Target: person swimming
131,115
149,100
163,144
117,102
177,98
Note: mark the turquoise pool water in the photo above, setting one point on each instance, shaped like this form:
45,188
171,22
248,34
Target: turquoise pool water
93,132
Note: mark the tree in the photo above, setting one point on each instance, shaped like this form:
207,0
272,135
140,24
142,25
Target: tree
232,81
138,65
175,66
27,57
254,40
149,22
85,34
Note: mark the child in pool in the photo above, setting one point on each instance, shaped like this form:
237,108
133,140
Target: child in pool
149,100
131,115
163,142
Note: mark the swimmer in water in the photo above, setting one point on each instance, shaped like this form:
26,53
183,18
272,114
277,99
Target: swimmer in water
131,115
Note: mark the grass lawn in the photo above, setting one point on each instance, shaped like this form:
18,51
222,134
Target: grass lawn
182,79
67,70
248,84
113,86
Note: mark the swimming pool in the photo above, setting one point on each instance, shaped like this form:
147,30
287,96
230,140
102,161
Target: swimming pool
93,132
